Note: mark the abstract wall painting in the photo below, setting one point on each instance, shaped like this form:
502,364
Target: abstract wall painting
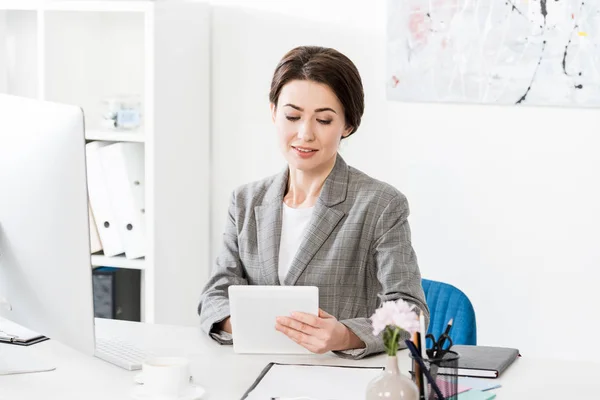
522,52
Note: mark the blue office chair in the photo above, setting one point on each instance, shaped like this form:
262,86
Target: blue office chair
445,302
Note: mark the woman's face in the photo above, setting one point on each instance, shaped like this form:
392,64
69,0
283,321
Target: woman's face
310,122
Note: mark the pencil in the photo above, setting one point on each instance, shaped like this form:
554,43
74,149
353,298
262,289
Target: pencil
423,349
419,380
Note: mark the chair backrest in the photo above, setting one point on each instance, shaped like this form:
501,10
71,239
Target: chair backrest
445,302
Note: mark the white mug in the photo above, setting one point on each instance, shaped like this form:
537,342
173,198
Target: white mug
166,377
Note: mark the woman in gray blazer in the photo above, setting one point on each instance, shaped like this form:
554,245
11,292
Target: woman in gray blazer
319,222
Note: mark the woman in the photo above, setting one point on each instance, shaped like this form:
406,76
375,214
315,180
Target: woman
319,222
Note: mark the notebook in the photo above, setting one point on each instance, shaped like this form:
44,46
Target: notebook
13,333
483,361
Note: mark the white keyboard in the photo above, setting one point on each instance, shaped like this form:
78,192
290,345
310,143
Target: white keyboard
120,353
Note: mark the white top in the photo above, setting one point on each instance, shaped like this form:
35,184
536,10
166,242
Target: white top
293,225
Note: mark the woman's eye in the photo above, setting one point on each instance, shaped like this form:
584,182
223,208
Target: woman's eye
292,118
324,122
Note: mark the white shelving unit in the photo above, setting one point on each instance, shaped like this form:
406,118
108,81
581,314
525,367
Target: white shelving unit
112,136
99,260
83,52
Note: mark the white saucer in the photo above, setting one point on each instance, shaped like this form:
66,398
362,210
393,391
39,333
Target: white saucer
193,392
139,379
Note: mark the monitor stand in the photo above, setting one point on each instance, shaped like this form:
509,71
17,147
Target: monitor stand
15,359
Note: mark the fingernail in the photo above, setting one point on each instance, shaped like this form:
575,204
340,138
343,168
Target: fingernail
294,314
279,319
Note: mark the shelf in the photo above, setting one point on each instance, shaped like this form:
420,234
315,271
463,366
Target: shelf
21,5
100,260
123,6
73,5
115,136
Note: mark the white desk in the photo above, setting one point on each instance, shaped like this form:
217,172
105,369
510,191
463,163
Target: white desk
227,375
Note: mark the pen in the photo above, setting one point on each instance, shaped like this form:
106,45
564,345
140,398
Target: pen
416,356
7,337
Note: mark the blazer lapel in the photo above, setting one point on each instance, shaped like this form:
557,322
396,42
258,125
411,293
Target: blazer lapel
323,221
268,226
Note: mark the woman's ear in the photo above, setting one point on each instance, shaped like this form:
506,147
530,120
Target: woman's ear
347,131
273,111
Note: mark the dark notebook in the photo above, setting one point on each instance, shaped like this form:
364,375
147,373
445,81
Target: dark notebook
483,361
13,333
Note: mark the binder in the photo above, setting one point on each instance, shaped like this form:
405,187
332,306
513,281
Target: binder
95,243
117,293
100,201
123,165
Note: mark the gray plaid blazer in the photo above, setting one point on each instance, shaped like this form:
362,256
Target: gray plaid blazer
356,250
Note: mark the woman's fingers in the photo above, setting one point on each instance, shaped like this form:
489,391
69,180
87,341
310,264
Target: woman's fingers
313,333
311,343
297,325
308,319
297,336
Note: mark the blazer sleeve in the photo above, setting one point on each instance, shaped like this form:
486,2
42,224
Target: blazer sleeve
229,270
397,271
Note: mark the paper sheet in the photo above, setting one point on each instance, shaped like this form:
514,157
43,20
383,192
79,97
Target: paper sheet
479,383
446,387
314,382
476,395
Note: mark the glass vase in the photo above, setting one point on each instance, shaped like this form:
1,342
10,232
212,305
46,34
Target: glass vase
392,385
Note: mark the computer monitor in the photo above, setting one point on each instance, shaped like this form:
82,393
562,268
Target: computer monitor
45,268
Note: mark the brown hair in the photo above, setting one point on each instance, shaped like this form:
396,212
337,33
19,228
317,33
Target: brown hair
327,66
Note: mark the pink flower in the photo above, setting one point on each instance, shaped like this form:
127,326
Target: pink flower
383,317
395,314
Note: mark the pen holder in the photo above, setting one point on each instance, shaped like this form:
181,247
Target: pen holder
444,371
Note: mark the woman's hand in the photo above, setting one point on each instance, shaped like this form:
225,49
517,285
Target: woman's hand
318,334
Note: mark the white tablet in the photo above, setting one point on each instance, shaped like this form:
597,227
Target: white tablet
254,310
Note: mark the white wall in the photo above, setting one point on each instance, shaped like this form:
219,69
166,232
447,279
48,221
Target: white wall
505,200
18,53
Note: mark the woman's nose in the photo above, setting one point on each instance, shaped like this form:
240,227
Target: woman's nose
305,132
